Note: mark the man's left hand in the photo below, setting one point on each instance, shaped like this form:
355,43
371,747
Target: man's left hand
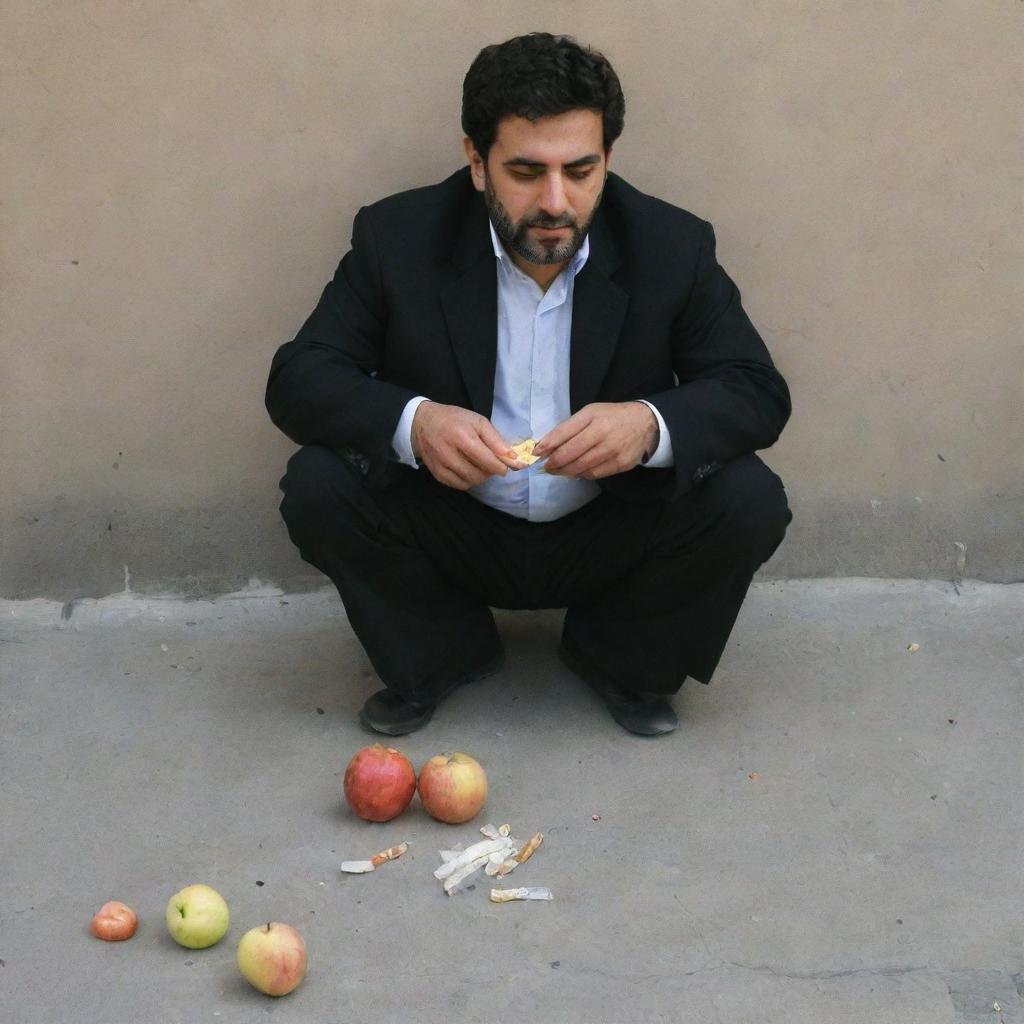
601,439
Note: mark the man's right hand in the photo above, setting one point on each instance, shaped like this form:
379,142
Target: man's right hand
460,448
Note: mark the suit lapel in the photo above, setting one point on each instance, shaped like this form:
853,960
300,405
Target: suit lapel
470,304
598,311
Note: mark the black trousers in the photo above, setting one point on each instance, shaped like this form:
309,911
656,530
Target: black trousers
651,591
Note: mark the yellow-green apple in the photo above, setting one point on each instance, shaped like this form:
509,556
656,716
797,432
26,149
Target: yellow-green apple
114,921
379,783
272,958
197,916
453,787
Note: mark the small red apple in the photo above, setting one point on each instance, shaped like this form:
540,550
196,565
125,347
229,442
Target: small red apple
114,921
379,783
453,787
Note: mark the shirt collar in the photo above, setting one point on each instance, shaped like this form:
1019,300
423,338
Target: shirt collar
576,264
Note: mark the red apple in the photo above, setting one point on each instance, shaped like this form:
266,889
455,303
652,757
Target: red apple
114,921
379,783
272,958
453,787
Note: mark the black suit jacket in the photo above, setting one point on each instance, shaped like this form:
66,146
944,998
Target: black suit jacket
412,310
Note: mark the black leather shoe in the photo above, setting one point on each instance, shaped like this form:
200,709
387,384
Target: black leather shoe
646,714
393,714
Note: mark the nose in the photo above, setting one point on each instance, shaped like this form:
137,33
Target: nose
552,200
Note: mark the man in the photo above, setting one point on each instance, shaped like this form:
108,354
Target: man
533,296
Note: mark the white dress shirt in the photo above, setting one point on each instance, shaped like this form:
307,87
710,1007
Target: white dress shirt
531,391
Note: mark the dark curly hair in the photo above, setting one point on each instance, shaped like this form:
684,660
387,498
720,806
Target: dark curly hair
534,76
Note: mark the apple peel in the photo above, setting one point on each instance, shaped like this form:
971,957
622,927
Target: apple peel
495,863
455,880
498,855
500,865
499,832
359,867
477,854
531,893
525,853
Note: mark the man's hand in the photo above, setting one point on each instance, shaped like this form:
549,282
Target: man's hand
460,448
601,439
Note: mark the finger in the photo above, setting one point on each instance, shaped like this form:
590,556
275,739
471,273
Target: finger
563,432
474,461
461,479
452,469
609,467
466,454
449,479
579,469
498,446
604,460
564,458
442,474
480,457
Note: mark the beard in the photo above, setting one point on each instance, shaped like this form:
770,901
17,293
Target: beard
515,235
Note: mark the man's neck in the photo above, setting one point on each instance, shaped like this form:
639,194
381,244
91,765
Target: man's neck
542,273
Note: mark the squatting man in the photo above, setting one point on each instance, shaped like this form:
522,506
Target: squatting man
533,296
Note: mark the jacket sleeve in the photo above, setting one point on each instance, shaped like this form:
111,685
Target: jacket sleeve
730,400
323,386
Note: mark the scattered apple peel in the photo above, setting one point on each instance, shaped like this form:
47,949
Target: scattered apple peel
537,892
456,860
455,870
527,851
498,854
360,867
501,832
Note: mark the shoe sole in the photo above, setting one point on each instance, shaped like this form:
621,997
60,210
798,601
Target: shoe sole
402,728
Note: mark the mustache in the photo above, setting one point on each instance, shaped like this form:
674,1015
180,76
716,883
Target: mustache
544,221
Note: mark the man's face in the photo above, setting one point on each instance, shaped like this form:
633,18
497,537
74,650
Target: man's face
542,183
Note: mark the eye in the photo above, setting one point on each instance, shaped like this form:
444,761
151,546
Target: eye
581,175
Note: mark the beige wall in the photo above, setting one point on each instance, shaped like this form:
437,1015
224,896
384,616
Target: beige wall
179,180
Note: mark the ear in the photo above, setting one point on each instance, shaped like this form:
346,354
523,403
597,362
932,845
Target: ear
476,164
607,158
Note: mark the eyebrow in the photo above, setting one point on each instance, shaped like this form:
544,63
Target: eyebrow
523,161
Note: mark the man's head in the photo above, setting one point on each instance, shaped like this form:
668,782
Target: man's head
535,76
540,115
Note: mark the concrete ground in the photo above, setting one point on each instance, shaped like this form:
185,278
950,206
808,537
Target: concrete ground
834,834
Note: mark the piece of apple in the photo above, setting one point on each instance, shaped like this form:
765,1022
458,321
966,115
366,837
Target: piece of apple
114,922
272,958
197,916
